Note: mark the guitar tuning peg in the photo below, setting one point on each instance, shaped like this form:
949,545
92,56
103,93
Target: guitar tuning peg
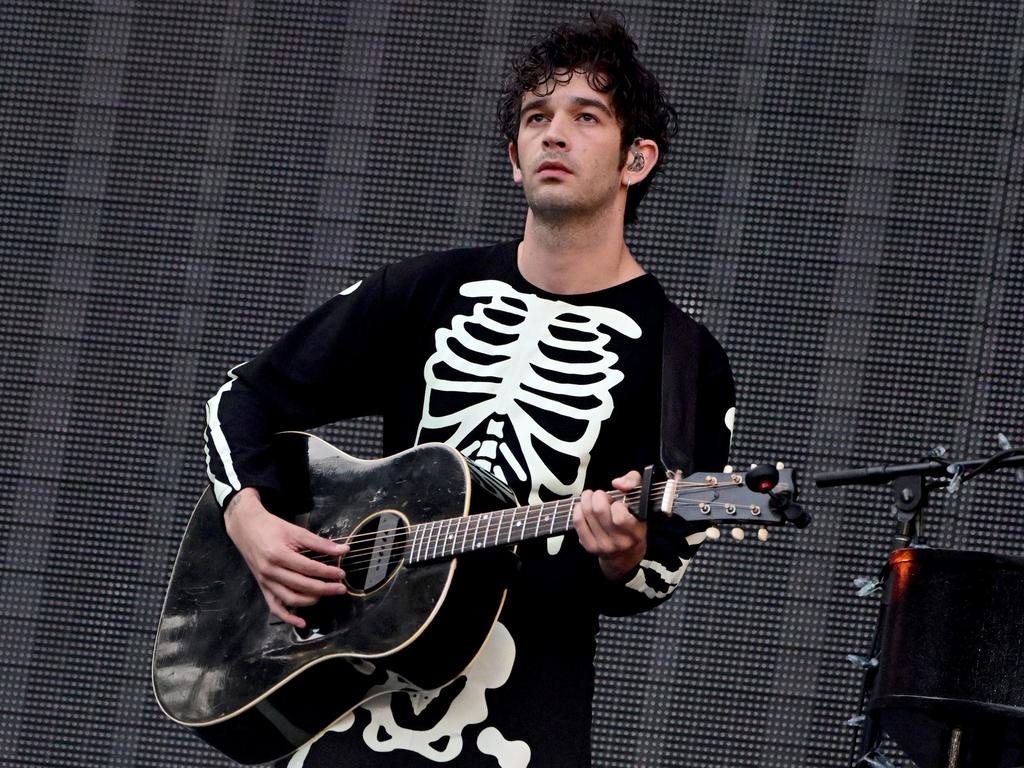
713,533
727,469
762,534
737,533
779,465
753,466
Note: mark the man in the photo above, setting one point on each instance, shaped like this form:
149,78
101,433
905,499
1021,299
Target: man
556,362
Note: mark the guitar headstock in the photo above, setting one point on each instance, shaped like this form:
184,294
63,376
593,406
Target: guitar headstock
762,496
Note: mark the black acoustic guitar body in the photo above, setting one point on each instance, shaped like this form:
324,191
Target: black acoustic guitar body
254,687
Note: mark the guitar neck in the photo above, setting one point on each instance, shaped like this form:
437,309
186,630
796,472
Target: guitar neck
699,498
439,539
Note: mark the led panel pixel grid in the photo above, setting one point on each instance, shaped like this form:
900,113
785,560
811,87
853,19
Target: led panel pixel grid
182,181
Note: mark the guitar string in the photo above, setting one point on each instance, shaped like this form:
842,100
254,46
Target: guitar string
361,556
432,540
627,496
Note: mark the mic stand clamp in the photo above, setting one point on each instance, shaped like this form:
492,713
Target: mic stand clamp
909,497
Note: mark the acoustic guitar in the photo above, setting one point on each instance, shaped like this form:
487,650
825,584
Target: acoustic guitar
426,529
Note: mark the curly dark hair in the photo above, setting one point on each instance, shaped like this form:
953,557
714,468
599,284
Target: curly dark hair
600,48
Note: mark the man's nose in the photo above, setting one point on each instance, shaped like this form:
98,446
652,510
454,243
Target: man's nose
555,135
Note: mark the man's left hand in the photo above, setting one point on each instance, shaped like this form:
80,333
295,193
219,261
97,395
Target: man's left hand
610,531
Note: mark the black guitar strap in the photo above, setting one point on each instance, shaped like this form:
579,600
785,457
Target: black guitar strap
679,356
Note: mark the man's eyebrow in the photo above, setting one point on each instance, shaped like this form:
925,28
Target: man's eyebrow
579,101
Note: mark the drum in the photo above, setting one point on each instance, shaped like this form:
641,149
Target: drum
949,687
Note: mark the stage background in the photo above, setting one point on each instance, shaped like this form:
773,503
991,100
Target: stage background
182,180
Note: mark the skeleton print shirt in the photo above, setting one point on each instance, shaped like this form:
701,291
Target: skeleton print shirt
553,394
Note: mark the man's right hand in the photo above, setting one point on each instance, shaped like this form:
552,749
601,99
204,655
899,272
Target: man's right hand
272,549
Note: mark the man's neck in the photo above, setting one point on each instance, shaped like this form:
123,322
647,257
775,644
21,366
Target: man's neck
577,257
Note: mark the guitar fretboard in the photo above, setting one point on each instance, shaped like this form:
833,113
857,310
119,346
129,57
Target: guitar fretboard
457,535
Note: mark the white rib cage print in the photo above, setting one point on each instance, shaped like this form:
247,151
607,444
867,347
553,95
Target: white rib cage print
514,356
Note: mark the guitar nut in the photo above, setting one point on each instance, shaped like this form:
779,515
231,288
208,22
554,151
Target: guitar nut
730,509
736,479
705,508
755,510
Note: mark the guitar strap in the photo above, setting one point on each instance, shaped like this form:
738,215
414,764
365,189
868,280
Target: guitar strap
679,359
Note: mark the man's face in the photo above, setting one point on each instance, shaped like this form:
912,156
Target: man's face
569,153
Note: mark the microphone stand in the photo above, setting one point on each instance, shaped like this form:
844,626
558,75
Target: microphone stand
909,498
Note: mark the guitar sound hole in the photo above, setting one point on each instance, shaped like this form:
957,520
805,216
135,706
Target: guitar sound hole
377,547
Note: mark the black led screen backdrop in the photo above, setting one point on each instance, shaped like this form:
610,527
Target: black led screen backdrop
183,180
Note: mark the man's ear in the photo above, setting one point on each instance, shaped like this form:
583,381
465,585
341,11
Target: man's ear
641,157
513,158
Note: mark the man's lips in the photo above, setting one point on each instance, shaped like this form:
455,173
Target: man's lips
553,167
